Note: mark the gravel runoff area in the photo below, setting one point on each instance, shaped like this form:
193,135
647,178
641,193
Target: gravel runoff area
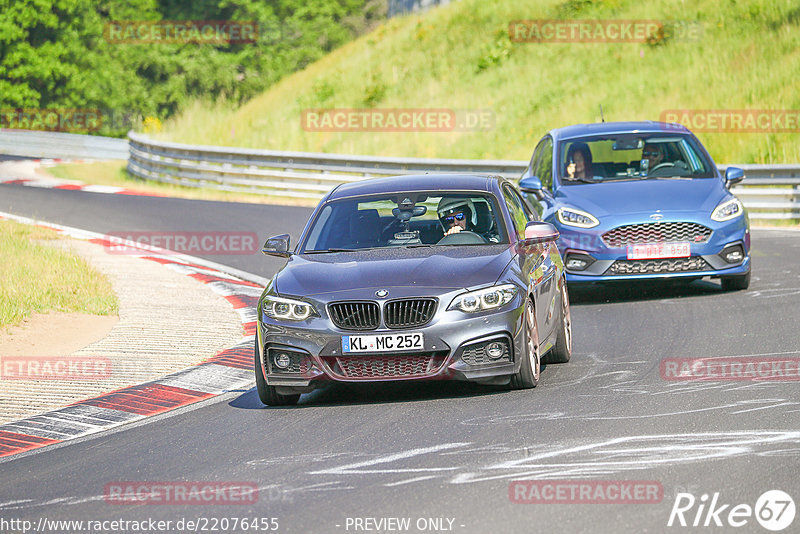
167,321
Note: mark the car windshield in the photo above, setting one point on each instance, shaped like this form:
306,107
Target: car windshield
417,219
631,156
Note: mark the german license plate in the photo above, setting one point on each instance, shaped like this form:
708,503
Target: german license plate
383,343
652,251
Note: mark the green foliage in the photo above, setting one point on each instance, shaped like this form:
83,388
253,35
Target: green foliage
53,53
496,52
375,90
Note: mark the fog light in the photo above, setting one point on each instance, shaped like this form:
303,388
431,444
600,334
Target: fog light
733,254
576,264
494,350
577,261
282,360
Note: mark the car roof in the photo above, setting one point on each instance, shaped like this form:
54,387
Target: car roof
601,128
415,182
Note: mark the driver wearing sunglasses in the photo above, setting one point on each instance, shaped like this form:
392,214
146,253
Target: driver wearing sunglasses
653,154
455,214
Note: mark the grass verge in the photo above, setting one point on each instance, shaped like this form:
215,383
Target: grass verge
37,278
113,173
460,56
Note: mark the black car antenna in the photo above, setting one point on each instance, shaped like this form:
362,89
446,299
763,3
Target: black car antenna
602,119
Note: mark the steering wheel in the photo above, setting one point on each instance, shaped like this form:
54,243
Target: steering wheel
464,237
663,165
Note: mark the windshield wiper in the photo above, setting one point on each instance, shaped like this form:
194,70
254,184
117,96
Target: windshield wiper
327,250
584,180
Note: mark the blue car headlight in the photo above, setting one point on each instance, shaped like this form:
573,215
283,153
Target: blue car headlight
576,217
285,309
727,210
484,299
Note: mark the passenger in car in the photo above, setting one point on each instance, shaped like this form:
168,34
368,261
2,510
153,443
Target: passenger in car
579,162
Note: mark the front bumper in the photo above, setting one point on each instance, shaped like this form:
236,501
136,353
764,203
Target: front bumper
742,268
610,263
446,337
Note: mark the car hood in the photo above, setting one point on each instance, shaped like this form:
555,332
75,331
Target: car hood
435,267
645,196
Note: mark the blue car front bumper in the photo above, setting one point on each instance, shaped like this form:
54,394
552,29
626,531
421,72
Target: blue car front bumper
610,263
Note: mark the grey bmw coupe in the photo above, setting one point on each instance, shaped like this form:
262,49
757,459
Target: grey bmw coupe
423,277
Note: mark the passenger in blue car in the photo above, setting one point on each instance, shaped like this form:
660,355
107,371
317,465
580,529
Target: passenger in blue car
579,162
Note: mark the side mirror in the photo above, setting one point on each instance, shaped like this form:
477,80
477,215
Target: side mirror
531,184
539,232
277,246
733,175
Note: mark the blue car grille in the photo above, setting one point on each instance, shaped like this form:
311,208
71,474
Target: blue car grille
355,315
658,232
672,265
408,313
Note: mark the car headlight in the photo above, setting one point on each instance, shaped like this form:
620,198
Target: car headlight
287,309
579,218
727,210
484,299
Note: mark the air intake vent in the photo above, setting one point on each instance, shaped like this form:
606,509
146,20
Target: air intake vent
409,313
355,315
637,234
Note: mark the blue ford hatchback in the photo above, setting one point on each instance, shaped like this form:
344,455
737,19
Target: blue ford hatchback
639,200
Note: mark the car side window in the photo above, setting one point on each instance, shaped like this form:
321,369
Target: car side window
519,215
545,163
537,157
530,212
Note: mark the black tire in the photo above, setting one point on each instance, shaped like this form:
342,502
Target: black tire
267,393
530,367
735,283
562,351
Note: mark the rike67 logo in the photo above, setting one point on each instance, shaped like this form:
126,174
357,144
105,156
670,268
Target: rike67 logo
774,510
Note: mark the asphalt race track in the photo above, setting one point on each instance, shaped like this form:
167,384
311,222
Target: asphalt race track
450,451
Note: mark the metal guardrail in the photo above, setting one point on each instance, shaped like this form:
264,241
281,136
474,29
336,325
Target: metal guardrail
769,192
292,174
59,145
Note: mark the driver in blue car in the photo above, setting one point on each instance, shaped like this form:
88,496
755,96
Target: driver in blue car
459,214
654,154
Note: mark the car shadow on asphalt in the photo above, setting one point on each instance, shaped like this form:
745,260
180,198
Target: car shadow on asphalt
346,394
642,291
